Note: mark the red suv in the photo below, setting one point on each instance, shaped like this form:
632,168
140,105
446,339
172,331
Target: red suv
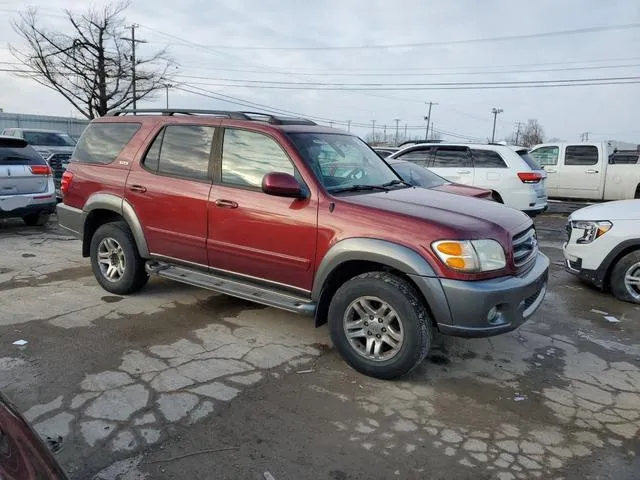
298,216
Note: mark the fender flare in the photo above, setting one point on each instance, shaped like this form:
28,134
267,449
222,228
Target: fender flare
116,204
394,255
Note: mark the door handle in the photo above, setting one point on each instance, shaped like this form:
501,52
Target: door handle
550,170
138,188
464,171
591,171
226,203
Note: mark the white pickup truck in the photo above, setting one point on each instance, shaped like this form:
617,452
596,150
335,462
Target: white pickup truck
589,171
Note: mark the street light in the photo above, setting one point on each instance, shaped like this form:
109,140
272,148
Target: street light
495,112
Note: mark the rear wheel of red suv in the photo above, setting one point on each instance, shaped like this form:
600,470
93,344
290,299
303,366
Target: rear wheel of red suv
115,260
379,325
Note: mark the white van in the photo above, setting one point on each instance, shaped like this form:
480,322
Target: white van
589,171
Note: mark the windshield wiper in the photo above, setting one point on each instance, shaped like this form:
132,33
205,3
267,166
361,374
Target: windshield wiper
357,188
396,182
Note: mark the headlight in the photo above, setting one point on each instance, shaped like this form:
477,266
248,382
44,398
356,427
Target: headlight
592,230
471,255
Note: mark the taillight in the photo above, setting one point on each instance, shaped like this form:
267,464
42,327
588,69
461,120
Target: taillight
40,169
530,177
65,183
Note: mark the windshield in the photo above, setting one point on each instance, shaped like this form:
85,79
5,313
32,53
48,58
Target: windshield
342,161
418,176
48,139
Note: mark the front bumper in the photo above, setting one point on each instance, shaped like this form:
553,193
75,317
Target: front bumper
461,308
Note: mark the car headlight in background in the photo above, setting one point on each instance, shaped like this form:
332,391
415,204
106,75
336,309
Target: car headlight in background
471,255
592,230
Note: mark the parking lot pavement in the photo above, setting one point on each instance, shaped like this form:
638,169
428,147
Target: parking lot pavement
177,382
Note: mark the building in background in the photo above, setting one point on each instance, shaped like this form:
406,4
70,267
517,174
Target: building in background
72,126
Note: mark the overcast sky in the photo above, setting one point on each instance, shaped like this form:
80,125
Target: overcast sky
200,35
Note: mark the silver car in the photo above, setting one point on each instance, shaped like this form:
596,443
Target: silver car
54,146
27,190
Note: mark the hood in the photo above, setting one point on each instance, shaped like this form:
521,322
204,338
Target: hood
461,213
618,210
463,190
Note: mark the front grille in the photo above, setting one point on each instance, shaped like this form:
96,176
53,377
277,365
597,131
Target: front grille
58,163
525,247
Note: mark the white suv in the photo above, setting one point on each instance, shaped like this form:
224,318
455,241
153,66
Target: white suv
510,173
603,247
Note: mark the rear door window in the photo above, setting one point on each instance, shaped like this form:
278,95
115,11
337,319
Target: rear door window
451,158
181,151
418,156
101,143
581,155
487,159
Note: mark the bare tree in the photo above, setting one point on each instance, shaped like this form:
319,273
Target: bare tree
532,134
91,66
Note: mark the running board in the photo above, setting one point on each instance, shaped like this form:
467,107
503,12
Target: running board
234,287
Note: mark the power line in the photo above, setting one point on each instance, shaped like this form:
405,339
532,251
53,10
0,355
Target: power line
246,103
575,82
577,31
396,73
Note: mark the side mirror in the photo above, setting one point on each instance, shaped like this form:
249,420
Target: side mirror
282,185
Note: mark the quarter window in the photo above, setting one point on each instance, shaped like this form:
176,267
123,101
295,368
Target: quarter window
248,156
487,159
102,142
546,155
581,155
420,156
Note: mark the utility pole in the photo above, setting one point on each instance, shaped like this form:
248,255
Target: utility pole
428,118
405,130
331,124
373,131
397,120
495,112
348,125
432,133
584,136
167,86
518,126
384,137
133,59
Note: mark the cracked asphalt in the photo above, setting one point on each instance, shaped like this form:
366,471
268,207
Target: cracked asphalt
177,382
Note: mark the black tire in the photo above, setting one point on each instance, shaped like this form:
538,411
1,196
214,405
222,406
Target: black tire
617,279
36,219
134,276
496,197
402,297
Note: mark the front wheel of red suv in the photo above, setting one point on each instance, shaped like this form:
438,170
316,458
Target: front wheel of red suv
115,260
379,325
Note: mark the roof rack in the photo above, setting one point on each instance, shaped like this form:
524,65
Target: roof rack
234,115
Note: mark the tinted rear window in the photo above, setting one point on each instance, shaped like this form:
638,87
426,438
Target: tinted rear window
529,160
20,156
102,142
49,139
